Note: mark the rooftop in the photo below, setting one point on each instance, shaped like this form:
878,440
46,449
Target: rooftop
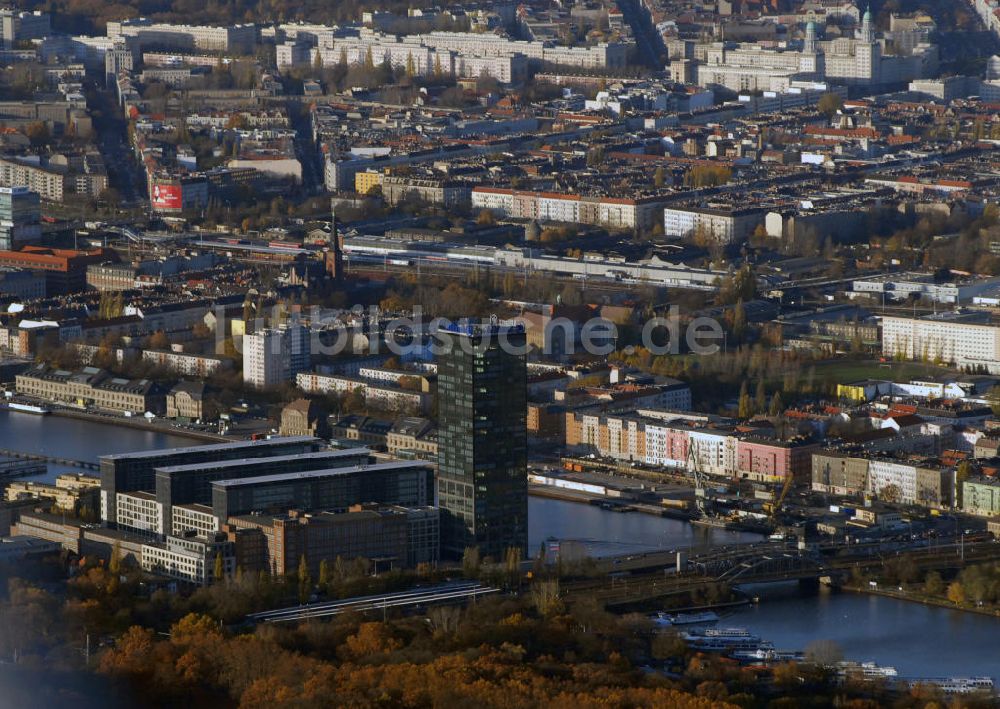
317,474
234,445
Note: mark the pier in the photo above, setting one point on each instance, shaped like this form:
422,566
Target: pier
41,460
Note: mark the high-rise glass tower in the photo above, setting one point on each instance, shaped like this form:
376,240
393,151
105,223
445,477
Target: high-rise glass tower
20,217
482,439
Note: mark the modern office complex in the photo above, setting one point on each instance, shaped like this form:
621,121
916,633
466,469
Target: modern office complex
129,472
335,489
482,440
192,483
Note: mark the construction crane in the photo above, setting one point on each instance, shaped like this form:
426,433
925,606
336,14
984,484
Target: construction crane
785,489
694,467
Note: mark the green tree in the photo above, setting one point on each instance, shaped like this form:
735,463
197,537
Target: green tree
776,405
659,177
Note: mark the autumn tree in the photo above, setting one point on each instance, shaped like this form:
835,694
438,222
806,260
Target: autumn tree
829,104
744,405
305,580
956,594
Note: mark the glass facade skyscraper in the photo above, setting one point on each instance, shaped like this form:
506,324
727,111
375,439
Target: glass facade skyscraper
20,217
483,440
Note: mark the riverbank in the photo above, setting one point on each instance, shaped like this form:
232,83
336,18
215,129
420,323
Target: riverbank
922,599
614,504
139,424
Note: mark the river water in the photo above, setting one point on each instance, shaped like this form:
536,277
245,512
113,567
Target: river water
77,440
918,640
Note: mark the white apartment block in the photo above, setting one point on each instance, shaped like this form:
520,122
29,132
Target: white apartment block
275,356
885,474
464,54
726,226
186,364
714,452
605,55
49,185
239,39
386,396
943,338
574,209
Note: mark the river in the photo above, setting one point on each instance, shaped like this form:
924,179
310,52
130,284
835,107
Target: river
606,533
77,439
918,640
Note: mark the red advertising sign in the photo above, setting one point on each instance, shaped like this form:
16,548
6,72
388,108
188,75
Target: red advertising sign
166,196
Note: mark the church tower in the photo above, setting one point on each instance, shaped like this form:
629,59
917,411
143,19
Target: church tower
867,34
809,45
334,255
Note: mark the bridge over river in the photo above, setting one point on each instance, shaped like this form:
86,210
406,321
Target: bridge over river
42,459
639,579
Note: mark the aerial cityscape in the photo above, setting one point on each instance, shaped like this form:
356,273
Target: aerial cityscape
569,353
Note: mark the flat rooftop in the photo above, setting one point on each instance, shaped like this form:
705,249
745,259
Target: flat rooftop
281,440
315,474
238,462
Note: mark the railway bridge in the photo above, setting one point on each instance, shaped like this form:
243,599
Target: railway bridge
42,459
648,578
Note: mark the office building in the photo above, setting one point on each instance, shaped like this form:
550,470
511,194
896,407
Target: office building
275,356
192,483
190,559
17,25
388,536
21,284
65,269
20,217
130,472
483,439
394,483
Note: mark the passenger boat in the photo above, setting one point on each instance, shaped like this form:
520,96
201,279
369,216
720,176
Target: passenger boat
28,408
686,618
